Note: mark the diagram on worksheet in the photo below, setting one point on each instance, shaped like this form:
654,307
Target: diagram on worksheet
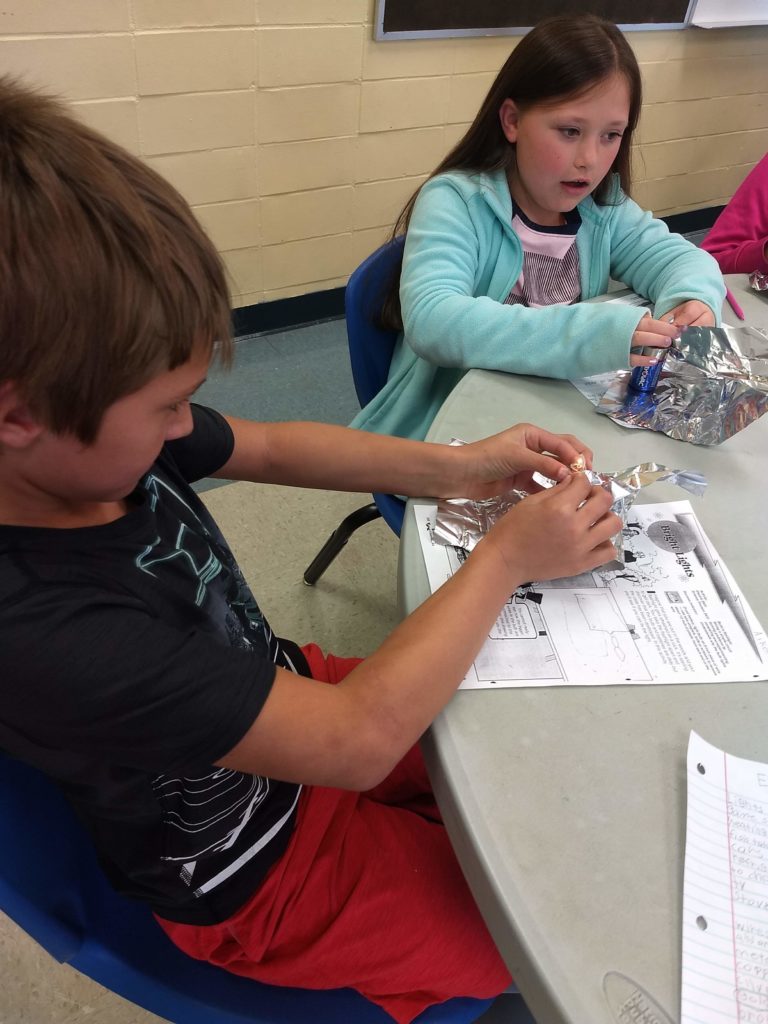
671,613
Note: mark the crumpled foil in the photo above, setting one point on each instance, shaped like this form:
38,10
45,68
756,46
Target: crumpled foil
463,522
714,384
759,281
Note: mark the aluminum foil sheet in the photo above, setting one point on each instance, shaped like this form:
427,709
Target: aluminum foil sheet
463,522
714,384
759,281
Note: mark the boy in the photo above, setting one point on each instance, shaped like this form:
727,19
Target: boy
271,823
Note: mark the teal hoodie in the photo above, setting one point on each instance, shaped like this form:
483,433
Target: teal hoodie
462,258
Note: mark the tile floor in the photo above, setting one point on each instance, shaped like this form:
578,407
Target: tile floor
275,532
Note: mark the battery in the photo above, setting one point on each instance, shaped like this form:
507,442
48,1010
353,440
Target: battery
645,378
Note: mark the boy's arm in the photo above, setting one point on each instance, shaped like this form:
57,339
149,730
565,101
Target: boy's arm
338,458
351,735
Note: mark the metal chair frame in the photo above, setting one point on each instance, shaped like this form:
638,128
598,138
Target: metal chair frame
370,353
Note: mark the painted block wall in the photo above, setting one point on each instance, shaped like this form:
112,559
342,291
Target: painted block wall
297,138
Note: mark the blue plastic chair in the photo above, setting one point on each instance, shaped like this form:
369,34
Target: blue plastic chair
370,353
52,886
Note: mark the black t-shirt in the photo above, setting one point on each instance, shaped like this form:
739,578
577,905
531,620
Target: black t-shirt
133,656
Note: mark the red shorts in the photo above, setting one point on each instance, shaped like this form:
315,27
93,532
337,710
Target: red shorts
368,895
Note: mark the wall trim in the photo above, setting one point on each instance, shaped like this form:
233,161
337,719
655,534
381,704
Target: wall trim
693,220
283,314
313,308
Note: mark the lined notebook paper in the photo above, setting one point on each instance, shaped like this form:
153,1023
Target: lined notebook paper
725,898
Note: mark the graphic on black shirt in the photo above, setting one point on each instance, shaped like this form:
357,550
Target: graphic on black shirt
207,813
199,813
133,657
194,805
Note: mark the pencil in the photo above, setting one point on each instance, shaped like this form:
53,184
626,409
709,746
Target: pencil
734,304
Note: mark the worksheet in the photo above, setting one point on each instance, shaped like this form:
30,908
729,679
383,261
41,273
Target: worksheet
672,613
725,891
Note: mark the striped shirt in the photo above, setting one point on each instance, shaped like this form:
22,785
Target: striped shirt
550,273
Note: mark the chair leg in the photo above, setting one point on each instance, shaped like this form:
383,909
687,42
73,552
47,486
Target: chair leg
338,539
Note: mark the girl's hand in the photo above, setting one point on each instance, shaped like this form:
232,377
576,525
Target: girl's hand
563,531
657,334
509,459
692,314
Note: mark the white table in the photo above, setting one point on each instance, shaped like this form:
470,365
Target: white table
566,805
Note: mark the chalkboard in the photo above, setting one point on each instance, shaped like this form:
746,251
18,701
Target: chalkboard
414,19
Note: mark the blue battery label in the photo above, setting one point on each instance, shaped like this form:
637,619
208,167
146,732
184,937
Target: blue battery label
645,378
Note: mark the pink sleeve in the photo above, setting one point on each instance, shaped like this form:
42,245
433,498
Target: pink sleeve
739,234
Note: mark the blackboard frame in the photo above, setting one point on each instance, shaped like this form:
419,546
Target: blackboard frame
382,35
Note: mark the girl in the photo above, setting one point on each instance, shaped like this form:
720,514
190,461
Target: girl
529,214
739,237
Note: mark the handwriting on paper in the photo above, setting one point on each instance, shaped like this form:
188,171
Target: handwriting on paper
725,901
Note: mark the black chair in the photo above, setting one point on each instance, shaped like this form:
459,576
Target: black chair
370,353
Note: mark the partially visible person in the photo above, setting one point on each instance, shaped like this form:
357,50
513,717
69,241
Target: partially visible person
529,215
279,827
739,237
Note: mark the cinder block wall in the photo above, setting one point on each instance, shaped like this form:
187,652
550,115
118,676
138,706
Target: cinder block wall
297,138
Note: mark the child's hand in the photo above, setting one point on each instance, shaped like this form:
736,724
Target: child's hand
509,459
657,334
563,531
692,314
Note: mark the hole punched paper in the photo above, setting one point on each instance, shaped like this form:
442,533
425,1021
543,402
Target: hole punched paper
725,890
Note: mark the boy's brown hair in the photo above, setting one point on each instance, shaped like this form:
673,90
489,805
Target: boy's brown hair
106,278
